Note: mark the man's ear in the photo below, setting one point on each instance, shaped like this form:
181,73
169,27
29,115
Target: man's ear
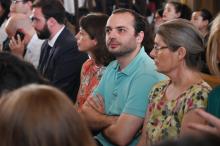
51,21
140,36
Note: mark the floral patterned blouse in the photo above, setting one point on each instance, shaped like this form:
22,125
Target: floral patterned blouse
90,77
165,116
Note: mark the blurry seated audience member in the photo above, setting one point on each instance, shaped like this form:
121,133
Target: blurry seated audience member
91,39
60,60
202,19
40,115
204,140
18,7
174,10
27,47
14,73
172,102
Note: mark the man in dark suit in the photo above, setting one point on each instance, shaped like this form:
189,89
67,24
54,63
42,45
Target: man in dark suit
60,60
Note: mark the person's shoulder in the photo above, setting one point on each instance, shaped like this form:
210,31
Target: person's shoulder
198,92
88,63
203,86
162,83
147,67
66,37
160,86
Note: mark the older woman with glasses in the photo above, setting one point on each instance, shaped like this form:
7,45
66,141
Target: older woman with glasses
172,103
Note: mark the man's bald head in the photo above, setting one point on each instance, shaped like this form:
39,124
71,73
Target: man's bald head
18,21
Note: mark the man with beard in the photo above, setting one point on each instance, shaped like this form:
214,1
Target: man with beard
60,61
118,105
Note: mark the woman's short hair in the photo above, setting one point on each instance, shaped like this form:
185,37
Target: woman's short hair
182,33
40,115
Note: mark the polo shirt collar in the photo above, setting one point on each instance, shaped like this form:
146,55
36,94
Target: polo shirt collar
131,67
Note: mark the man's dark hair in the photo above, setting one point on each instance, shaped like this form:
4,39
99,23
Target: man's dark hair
15,73
139,20
51,8
206,15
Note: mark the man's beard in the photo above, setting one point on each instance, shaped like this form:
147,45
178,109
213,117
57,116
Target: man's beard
121,52
44,33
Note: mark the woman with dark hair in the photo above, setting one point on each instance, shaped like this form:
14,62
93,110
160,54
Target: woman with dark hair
4,12
91,39
172,102
40,115
174,10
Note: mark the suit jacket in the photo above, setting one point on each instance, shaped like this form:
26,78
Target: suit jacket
63,64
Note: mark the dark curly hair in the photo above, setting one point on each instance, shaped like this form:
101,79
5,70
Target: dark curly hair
15,73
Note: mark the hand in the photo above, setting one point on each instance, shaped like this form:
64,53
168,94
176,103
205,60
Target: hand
17,46
97,103
215,122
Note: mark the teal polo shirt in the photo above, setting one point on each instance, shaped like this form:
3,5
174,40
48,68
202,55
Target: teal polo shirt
126,91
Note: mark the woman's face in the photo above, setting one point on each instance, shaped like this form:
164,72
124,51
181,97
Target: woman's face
165,60
84,41
170,13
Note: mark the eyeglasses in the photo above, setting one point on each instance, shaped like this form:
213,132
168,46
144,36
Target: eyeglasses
16,1
157,48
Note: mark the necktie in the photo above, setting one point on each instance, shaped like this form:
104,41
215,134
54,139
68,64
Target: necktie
45,57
